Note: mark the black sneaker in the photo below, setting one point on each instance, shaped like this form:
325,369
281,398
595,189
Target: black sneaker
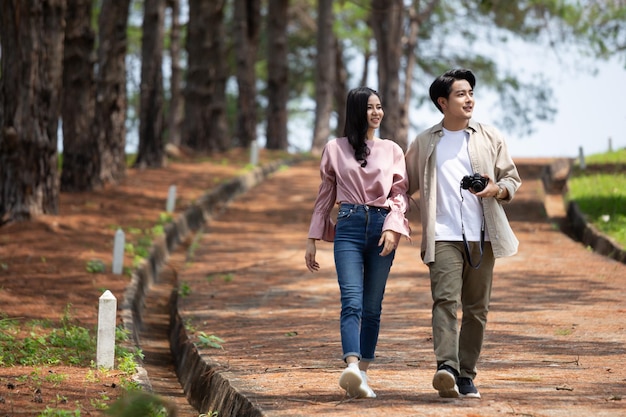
444,381
467,389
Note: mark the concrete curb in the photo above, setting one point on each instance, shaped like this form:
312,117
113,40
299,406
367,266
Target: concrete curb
589,235
208,389
555,176
205,388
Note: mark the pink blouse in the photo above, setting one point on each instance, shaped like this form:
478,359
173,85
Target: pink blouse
381,183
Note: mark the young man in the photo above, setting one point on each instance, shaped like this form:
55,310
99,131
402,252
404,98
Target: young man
464,225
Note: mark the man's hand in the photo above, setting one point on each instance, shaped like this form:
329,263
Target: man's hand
491,190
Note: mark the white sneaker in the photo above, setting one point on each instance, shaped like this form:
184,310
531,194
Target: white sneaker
365,387
352,381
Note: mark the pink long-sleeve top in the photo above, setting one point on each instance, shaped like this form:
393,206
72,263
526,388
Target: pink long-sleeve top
381,183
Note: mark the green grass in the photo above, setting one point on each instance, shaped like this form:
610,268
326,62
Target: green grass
602,196
41,343
615,157
36,343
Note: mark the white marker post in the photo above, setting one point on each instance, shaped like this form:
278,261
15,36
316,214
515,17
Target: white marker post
171,199
254,153
107,313
118,252
581,158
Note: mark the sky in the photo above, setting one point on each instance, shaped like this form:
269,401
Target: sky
589,96
590,110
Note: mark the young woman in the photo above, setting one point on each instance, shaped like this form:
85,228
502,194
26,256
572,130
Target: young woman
366,177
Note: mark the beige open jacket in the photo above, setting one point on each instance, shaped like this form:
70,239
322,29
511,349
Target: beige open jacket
488,155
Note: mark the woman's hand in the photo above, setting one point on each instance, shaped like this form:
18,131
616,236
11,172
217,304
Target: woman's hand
309,256
389,241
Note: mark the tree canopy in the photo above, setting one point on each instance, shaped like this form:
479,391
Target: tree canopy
231,69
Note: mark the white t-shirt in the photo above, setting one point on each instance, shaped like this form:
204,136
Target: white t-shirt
453,164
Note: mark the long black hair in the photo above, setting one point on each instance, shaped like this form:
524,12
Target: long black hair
356,121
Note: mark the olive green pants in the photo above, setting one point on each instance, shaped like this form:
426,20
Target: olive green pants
454,283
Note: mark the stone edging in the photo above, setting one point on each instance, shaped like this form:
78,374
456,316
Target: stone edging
205,388
589,235
555,178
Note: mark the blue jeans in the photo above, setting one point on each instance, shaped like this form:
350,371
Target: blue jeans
362,274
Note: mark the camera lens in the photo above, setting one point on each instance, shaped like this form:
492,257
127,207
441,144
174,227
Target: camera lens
478,183
478,186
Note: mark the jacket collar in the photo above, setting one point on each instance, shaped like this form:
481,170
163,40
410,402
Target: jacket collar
438,128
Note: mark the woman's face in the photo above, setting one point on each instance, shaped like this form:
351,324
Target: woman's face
375,112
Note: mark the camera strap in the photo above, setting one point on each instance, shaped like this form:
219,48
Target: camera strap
466,244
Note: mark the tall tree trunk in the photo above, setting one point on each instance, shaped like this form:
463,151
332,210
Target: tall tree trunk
246,22
205,128
324,75
341,88
410,60
151,147
277,83
81,162
109,128
387,24
31,38
365,74
175,115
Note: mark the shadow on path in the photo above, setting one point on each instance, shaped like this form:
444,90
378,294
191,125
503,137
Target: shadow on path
555,336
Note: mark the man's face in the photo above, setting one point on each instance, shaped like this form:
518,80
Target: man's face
460,103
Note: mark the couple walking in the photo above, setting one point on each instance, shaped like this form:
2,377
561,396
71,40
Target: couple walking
464,226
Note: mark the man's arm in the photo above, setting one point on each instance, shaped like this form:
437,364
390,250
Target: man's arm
412,166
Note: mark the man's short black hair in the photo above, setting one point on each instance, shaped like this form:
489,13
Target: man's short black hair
442,86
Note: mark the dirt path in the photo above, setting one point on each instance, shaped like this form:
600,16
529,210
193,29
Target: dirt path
554,347
45,277
555,343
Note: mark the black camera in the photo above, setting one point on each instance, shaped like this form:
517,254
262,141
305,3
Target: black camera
475,182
